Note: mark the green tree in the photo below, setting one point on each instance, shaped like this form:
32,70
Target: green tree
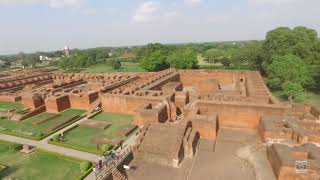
288,69
249,53
293,92
183,59
155,61
215,55
116,64
300,41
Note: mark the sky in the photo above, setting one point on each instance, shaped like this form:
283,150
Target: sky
46,25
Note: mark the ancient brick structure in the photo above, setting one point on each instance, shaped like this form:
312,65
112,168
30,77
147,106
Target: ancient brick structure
32,101
284,161
175,108
292,129
166,150
57,103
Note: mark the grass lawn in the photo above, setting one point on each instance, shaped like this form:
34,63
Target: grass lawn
27,128
5,106
125,67
105,68
311,97
36,166
81,137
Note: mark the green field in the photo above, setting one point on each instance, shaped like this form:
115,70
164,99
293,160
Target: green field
26,127
5,106
38,165
80,137
310,97
105,68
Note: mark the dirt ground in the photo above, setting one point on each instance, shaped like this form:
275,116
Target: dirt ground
213,161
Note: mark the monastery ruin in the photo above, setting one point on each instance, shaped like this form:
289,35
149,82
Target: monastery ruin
182,114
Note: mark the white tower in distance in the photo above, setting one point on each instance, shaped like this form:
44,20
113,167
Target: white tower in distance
66,51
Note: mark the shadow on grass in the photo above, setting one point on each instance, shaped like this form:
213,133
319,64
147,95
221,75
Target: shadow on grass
6,172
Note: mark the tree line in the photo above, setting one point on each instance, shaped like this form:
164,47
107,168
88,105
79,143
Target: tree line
288,58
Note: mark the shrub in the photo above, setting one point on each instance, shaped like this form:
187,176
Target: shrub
15,146
39,134
106,147
84,166
116,64
56,138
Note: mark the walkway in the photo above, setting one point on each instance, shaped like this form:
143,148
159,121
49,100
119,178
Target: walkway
43,144
53,148
129,142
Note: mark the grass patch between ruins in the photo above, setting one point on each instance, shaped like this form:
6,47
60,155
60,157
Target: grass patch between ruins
26,129
310,97
5,106
80,138
105,68
39,165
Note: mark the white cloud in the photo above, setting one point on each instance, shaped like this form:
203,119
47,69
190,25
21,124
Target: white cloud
19,1
89,12
192,2
170,13
50,3
218,19
146,12
272,1
64,3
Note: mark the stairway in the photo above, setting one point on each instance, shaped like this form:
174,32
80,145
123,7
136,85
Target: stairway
117,175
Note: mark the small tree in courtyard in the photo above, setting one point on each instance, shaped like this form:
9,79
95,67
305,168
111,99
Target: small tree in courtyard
116,64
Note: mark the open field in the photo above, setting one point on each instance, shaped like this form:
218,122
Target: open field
39,165
81,137
311,97
125,67
26,128
4,106
106,68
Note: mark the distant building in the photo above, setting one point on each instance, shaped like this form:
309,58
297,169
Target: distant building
44,58
66,51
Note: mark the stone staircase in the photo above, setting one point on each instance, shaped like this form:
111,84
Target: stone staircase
110,168
117,175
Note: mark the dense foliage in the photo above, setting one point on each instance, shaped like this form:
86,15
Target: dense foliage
291,59
116,64
84,58
156,57
288,58
183,59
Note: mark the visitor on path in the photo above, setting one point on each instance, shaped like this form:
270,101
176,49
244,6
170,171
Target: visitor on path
95,171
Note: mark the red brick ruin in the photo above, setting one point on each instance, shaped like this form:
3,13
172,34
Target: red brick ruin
175,108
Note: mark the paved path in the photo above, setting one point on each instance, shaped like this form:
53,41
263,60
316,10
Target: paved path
64,129
43,144
129,142
49,147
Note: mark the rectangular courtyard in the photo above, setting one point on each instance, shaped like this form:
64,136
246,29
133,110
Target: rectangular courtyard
81,138
28,129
